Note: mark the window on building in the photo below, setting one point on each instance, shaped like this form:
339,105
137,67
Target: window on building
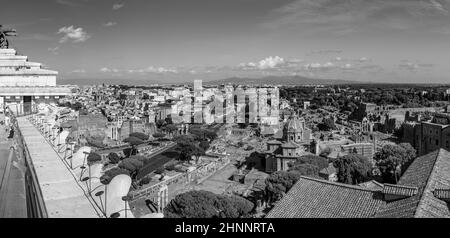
437,142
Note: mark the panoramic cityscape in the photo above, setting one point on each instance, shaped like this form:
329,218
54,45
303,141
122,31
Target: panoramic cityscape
225,109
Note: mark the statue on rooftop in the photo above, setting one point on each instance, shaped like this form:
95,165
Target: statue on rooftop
4,44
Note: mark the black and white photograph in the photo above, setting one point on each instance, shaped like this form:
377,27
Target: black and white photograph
252,110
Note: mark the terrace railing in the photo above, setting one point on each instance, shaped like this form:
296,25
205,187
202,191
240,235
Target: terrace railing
22,109
34,199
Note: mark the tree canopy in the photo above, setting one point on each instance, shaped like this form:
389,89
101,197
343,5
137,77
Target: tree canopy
318,161
309,170
132,165
95,142
160,123
353,169
113,158
393,159
205,204
133,141
110,174
280,182
188,147
159,135
325,152
93,157
204,145
171,128
380,94
200,134
327,124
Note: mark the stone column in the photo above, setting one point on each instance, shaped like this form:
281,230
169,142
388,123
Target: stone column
21,105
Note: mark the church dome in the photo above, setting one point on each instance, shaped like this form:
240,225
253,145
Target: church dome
294,124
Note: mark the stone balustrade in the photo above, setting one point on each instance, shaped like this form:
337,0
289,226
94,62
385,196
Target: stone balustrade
109,200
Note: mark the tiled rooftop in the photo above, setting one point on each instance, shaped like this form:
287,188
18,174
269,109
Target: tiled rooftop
315,198
393,189
443,194
425,188
428,173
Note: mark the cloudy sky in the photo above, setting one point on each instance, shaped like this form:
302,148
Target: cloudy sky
180,40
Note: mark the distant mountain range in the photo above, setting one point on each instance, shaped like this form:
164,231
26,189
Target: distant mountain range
281,80
270,80
111,81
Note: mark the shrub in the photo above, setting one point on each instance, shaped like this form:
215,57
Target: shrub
325,152
159,135
131,164
113,158
139,135
170,167
93,158
110,174
133,141
160,170
95,143
145,180
249,148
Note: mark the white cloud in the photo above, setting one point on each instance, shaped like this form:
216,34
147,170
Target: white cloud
108,70
54,50
319,66
364,59
270,62
118,6
347,66
415,66
78,71
67,3
109,24
153,69
349,16
294,60
438,6
325,52
74,34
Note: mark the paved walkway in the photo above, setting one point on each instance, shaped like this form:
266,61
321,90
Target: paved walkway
63,196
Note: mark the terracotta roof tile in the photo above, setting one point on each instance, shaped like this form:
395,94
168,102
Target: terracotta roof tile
428,173
442,194
400,190
315,198
425,184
